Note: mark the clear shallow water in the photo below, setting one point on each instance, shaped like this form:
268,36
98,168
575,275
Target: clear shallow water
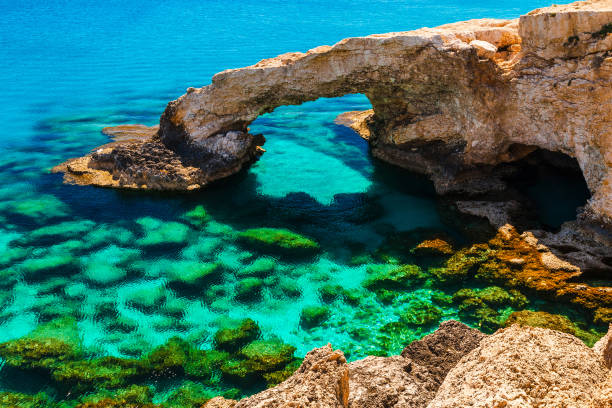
70,68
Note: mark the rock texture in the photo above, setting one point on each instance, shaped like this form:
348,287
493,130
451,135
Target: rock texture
524,367
411,379
455,366
603,348
444,100
320,382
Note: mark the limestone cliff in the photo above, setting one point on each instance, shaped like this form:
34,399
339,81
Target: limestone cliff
444,100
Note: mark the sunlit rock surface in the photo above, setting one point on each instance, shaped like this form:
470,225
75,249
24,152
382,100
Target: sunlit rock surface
444,99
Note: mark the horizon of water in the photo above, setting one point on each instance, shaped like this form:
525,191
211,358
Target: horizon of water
71,68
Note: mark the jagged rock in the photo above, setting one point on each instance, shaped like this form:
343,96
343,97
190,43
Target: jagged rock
320,382
438,107
523,366
441,350
412,379
603,348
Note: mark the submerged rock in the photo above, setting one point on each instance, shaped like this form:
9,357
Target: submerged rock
519,261
18,400
551,321
487,308
313,316
158,232
197,216
420,313
188,395
103,373
49,345
267,355
233,338
280,239
249,289
433,247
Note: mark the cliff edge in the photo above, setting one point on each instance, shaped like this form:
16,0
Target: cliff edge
444,100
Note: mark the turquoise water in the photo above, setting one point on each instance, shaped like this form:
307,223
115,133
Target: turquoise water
70,68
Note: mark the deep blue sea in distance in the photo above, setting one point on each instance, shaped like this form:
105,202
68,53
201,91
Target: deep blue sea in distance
70,68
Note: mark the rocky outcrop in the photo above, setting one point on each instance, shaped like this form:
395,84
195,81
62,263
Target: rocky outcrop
524,367
445,100
320,382
603,348
411,379
455,366
139,160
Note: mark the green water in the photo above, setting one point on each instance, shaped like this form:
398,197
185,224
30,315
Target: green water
132,270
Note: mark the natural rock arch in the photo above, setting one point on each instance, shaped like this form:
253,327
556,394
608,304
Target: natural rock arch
444,100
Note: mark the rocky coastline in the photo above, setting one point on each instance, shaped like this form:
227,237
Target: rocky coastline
522,365
467,104
449,101
501,93
455,366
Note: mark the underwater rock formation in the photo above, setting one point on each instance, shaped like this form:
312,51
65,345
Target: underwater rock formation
444,100
519,261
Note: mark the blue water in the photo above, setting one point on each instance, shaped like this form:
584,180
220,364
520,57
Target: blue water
70,68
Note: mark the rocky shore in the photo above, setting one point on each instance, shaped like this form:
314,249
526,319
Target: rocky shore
455,366
450,101
467,104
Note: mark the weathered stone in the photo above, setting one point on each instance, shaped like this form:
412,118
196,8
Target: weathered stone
410,380
604,348
320,382
523,366
442,349
438,107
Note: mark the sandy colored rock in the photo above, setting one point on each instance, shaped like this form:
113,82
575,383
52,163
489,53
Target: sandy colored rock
484,49
602,395
603,348
320,382
412,379
220,402
126,133
524,367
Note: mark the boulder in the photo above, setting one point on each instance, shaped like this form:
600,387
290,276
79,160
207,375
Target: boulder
603,348
320,382
410,380
523,366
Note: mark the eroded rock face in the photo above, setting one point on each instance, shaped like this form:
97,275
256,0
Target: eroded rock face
524,367
603,348
411,379
320,382
455,366
444,99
